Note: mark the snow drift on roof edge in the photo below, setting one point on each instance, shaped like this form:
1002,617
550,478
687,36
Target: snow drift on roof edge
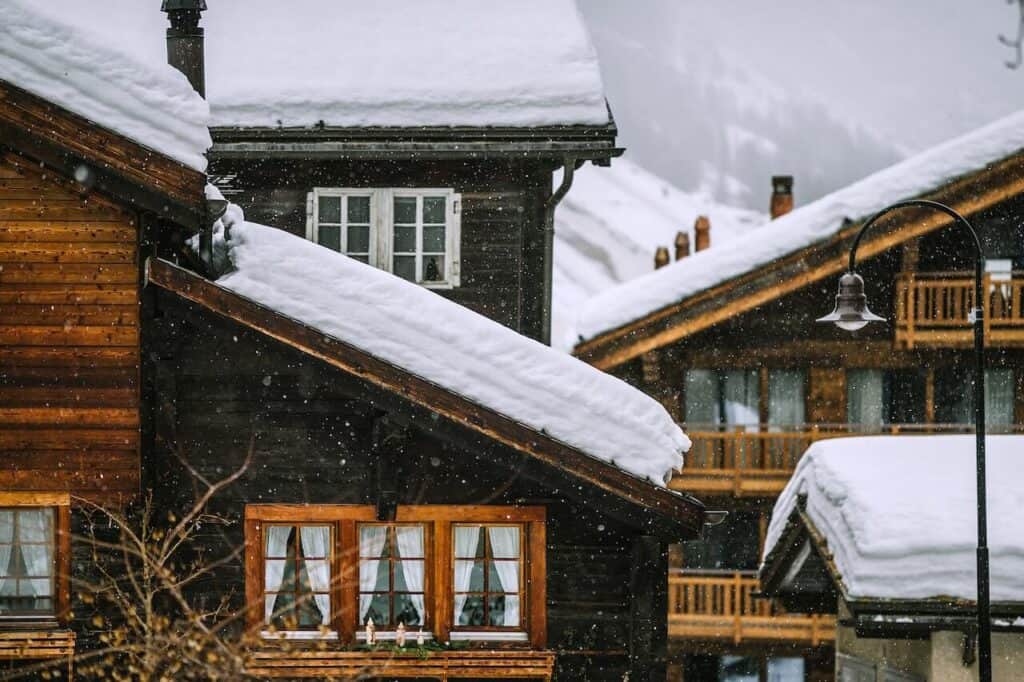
801,228
898,513
451,346
156,108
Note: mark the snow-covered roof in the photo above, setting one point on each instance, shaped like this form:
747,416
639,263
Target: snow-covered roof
153,106
424,63
452,347
898,514
802,227
610,224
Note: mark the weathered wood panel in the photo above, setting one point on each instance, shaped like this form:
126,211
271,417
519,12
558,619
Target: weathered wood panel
69,337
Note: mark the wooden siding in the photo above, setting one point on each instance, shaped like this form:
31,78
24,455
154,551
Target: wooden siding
69,330
219,385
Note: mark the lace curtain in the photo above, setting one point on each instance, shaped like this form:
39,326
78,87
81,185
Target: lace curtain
505,545
316,541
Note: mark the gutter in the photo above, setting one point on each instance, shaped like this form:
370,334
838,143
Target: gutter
569,168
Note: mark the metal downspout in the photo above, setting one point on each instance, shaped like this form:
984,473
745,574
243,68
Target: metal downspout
569,170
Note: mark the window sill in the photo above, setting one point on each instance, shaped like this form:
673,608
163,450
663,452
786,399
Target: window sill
391,635
489,636
306,635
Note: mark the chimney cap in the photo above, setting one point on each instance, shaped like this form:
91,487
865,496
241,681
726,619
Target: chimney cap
782,184
176,5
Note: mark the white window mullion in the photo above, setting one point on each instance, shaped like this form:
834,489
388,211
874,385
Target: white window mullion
418,246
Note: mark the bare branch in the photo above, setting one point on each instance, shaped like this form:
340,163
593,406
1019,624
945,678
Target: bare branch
1016,42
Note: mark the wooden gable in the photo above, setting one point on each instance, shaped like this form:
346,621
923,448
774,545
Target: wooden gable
679,514
968,195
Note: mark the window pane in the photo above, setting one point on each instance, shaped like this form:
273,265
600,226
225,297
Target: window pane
405,239
36,525
405,267
433,238
503,610
469,542
273,574
329,236
37,587
362,259
374,575
410,541
6,529
472,612
406,610
474,572
359,209
701,396
405,210
786,401
433,209
503,576
329,210
433,268
864,397
377,607
358,239
739,394
998,397
504,542
277,541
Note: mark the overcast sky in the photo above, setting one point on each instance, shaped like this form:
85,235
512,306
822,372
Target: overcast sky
721,93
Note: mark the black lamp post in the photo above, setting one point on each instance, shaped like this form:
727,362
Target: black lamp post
851,313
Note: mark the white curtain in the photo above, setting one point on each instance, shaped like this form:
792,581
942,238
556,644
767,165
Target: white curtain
740,398
467,538
864,397
998,397
786,397
410,544
316,543
277,545
371,544
505,544
7,587
701,396
36,526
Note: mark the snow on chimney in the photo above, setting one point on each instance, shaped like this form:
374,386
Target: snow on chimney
702,233
682,245
782,195
185,40
661,257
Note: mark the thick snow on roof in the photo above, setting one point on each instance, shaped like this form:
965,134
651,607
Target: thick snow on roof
423,63
454,348
610,224
801,228
898,513
155,107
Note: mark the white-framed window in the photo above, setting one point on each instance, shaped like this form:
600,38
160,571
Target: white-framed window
412,233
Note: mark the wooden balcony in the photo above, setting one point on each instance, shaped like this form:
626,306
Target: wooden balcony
932,309
720,606
757,460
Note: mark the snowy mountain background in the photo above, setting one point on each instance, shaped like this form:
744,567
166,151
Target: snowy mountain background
717,95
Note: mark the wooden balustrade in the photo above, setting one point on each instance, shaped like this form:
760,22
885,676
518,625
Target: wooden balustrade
757,460
721,605
933,309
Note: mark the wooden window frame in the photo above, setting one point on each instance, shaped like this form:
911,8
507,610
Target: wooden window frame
382,226
428,547
61,505
331,551
438,522
486,593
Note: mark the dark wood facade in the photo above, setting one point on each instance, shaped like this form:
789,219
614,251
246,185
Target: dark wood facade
762,325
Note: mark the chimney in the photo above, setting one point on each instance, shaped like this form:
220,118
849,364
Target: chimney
702,233
782,195
682,245
661,257
185,40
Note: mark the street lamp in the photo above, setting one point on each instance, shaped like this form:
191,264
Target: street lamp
851,313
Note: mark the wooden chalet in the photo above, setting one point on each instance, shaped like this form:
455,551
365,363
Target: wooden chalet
726,339
365,490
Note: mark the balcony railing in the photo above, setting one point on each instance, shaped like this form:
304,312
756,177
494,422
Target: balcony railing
932,309
721,606
757,461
